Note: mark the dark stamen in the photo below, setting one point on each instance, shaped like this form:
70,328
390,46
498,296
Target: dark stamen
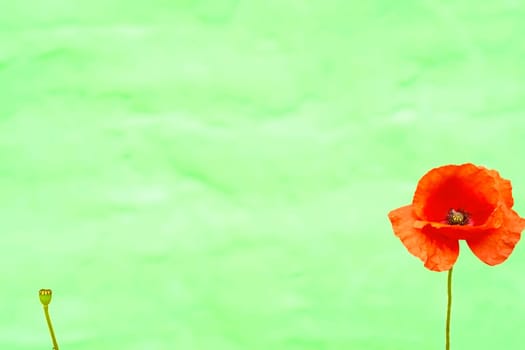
457,217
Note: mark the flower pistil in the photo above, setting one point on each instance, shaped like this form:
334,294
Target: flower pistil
457,217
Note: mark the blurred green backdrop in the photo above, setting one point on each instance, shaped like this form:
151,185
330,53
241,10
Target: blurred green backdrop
216,175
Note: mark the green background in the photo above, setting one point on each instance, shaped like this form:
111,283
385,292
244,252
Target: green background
216,175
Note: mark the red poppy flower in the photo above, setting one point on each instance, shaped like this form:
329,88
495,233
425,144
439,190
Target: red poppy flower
459,202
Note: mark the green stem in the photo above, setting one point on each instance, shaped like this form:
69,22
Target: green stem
449,306
50,326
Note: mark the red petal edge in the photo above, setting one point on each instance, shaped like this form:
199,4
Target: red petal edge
437,253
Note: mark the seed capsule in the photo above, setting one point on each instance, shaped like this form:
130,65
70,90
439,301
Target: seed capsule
45,296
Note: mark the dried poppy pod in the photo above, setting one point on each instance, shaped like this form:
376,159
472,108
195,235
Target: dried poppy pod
45,296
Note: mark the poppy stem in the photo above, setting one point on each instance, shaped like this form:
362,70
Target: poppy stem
45,296
449,306
50,326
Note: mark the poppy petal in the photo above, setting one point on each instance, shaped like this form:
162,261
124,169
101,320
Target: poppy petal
464,186
437,253
495,247
504,188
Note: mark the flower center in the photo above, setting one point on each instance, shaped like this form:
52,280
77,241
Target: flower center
457,217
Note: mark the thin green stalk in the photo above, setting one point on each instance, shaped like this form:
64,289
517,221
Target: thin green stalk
449,307
50,326
45,299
